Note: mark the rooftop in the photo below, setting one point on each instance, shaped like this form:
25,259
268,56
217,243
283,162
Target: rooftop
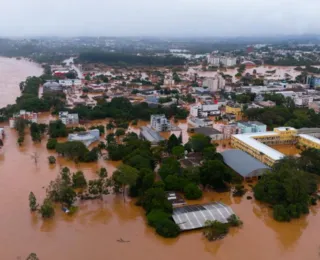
206,131
194,216
249,139
150,135
243,163
310,138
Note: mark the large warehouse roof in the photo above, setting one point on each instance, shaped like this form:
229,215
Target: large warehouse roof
194,216
243,163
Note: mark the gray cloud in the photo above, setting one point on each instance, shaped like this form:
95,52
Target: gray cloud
158,18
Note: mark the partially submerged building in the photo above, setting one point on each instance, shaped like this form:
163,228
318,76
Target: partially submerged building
87,137
214,134
160,123
69,119
244,164
194,216
256,144
52,87
150,135
28,116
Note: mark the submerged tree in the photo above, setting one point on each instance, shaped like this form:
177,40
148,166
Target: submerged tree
32,202
47,209
215,230
124,176
32,256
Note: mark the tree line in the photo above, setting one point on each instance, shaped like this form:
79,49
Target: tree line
111,58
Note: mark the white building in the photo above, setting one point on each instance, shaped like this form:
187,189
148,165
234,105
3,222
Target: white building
215,83
85,137
68,119
70,82
160,123
199,122
213,60
168,82
228,61
205,110
29,116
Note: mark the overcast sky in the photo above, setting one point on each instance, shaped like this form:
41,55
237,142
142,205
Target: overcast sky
158,17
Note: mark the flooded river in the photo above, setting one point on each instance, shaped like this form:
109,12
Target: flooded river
92,233
12,72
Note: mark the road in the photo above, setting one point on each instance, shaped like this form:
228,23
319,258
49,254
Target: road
70,63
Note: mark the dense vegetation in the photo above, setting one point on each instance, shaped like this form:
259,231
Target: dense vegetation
111,58
284,115
122,108
289,186
77,151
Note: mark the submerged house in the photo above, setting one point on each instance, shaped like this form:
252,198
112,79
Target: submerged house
87,138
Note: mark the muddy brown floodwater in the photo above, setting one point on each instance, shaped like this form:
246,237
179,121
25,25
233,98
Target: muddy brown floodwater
12,72
93,231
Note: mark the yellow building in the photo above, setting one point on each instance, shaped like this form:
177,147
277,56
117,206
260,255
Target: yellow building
236,110
309,141
256,144
251,144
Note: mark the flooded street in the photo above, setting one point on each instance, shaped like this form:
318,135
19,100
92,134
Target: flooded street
12,72
92,233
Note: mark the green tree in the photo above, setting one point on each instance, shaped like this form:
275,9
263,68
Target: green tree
67,195
210,153
215,230
287,187
57,129
47,209
155,198
199,142
78,180
167,228
32,256
173,141
32,202
124,176
169,166
192,192
120,132
155,216
51,144
178,151
52,159
215,174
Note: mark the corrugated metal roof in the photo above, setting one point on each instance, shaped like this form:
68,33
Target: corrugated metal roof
151,135
194,216
243,163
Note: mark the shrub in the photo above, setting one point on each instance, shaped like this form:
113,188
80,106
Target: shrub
167,228
313,201
51,144
234,221
215,230
280,213
78,180
52,159
239,190
192,192
47,209
155,216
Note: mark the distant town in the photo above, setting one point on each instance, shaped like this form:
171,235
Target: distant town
185,119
